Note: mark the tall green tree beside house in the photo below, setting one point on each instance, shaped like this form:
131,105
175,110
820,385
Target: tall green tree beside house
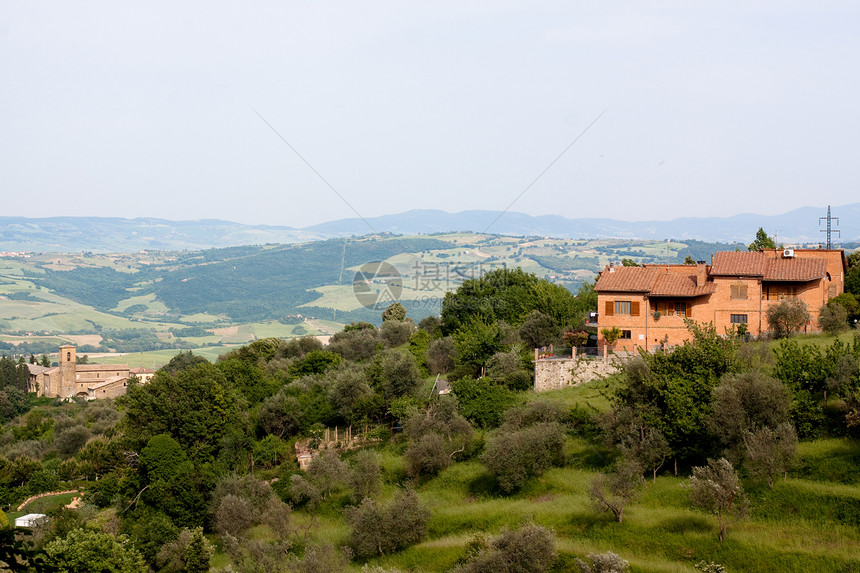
762,241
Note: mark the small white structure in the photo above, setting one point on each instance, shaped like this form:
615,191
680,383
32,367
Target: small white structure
31,520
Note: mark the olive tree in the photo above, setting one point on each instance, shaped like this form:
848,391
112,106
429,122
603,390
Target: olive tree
747,402
607,562
718,489
787,316
377,529
513,456
613,491
771,451
530,549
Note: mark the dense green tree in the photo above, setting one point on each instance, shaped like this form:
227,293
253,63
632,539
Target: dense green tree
355,344
538,329
315,362
394,333
762,241
170,481
419,342
475,342
482,402
833,318
185,359
150,530
13,374
394,374
197,407
248,379
395,312
506,295
671,391
281,415
747,402
441,355
198,553
86,551
852,277
850,303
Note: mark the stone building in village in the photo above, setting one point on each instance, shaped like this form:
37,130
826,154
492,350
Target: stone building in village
650,303
91,381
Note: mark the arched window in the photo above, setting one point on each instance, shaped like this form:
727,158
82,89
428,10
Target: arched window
68,356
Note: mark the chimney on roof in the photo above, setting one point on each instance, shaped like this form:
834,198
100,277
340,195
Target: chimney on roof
701,273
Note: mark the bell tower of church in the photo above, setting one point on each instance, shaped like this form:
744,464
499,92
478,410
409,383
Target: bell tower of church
68,374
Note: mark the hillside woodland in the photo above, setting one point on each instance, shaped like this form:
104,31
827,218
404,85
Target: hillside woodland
720,455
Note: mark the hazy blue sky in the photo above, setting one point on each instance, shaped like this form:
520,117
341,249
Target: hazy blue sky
148,108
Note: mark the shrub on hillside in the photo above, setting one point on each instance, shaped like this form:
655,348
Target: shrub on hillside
530,549
514,456
377,529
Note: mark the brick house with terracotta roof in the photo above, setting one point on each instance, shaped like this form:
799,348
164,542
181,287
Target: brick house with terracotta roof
649,303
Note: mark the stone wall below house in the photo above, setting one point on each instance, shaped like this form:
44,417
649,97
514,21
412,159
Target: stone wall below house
555,373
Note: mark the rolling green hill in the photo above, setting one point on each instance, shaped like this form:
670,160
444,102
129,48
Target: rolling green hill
142,301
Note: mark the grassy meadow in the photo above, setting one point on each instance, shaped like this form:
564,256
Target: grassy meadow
810,522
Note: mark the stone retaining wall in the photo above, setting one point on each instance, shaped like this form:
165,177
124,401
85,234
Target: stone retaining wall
555,373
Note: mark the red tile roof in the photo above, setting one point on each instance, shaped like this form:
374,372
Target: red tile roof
658,281
739,264
796,269
627,279
755,264
681,286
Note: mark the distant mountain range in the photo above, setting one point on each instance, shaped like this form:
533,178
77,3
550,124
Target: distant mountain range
106,234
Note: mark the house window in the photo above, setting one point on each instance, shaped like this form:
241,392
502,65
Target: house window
739,292
622,307
681,308
625,335
739,319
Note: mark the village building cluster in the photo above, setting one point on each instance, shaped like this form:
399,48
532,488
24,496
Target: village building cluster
650,304
90,381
